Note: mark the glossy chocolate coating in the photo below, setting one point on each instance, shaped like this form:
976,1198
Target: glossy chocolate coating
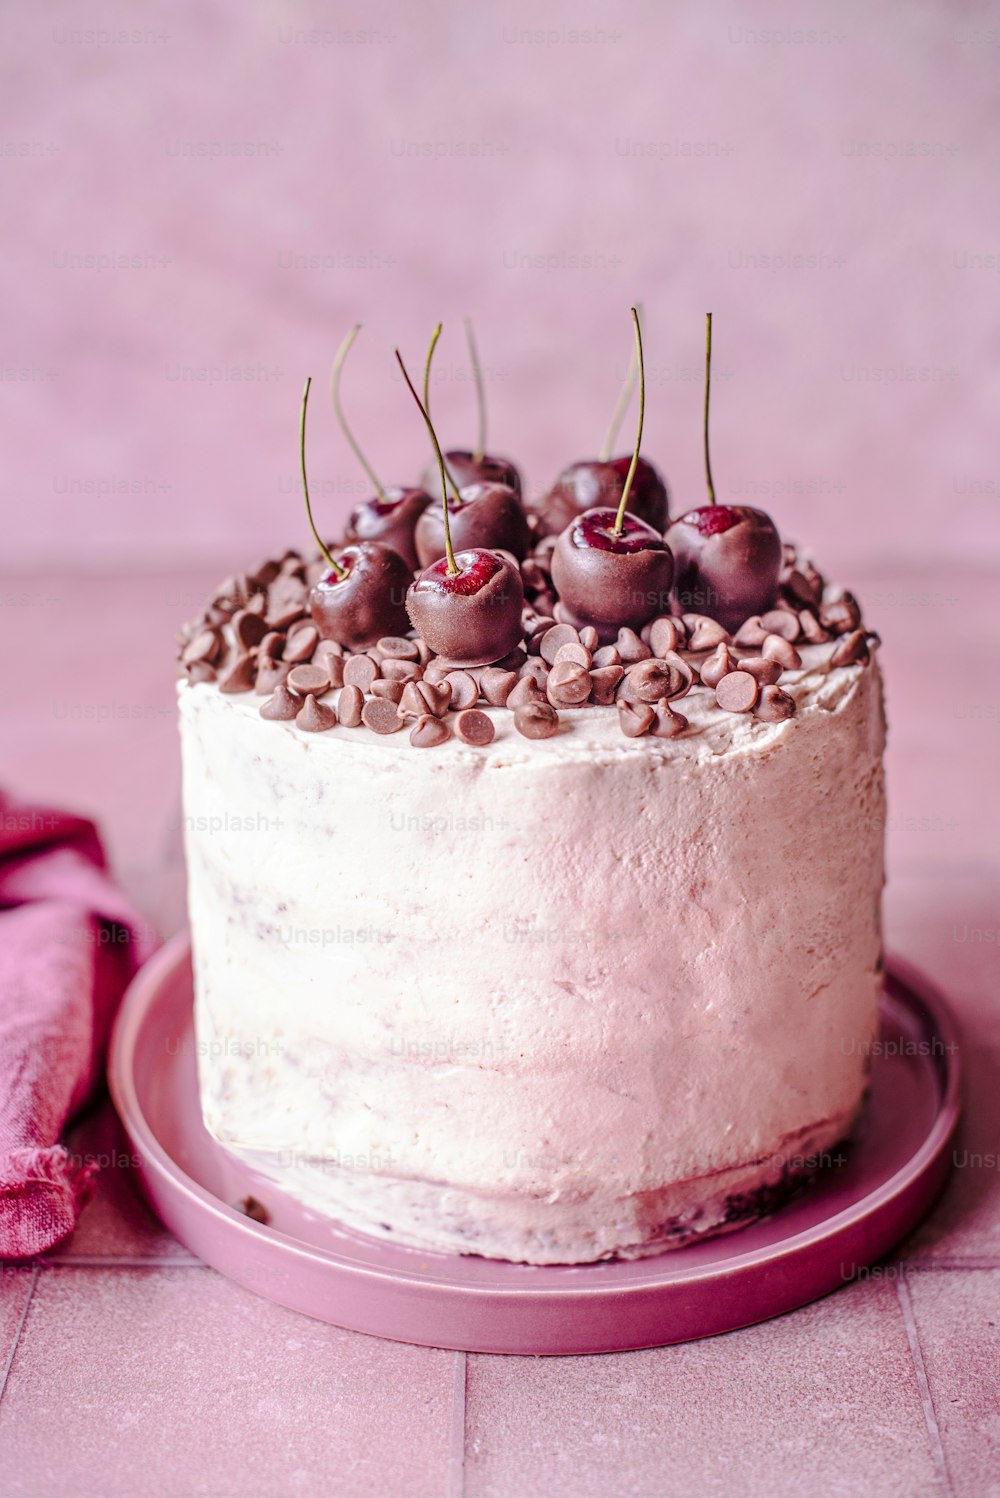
369,602
609,580
595,483
473,618
485,515
726,562
465,468
391,521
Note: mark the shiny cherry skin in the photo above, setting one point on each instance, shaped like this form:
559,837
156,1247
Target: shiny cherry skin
391,521
369,602
611,580
473,617
595,483
485,515
726,562
466,468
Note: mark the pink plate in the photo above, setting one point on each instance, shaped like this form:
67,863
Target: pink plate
850,1218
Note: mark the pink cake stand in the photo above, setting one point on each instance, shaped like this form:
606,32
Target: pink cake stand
850,1218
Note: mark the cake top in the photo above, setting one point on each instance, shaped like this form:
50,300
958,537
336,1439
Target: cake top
424,610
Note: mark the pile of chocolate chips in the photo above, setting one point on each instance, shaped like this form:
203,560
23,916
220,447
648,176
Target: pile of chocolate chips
256,635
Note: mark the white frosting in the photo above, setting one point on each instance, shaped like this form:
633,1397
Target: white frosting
548,1000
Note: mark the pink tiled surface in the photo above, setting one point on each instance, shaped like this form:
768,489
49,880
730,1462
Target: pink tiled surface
165,1378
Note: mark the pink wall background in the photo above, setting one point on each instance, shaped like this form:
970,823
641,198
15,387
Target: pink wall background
415,162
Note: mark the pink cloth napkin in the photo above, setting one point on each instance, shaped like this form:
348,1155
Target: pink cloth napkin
69,943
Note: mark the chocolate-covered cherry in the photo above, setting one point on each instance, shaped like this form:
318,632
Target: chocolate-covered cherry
472,614
390,518
479,466
363,596
726,562
597,483
480,515
611,568
610,577
726,557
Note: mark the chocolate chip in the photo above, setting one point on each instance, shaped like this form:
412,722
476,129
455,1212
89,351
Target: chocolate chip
389,691
631,648
524,692
360,671
650,680
394,669
315,717
663,635
777,648
751,631
424,651
537,670
764,671
737,692
705,633
349,707
513,660
257,603
607,656
429,731
325,652
577,652
774,705
308,679
435,671
797,587
718,665
539,629
381,716
604,683
782,622
568,684
589,637
300,644
851,650
270,675
559,634
239,675
841,615
200,671
464,689
280,616
204,647
536,720
812,629
496,685
252,1208
398,648
474,727
281,706
533,576
666,723
635,718
420,697
272,645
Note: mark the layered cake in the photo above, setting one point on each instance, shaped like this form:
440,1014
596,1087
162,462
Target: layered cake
535,904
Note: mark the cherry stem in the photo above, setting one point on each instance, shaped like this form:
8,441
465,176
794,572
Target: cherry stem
708,386
427,398
624,396
477,375
340,571
349,438
453,567
623,502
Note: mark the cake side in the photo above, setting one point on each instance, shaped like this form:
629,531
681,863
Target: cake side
542,1000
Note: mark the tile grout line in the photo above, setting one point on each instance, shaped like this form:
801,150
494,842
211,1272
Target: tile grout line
924,1388
36,1270
456,1455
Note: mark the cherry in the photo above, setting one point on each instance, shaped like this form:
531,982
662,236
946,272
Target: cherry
465,467
391,515
612,568
480,515
363,596
599,482
727,557
472,615
465,605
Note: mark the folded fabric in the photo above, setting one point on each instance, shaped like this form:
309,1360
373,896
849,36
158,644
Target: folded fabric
69,943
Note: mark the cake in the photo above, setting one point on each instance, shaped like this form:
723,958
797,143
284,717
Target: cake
594,974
